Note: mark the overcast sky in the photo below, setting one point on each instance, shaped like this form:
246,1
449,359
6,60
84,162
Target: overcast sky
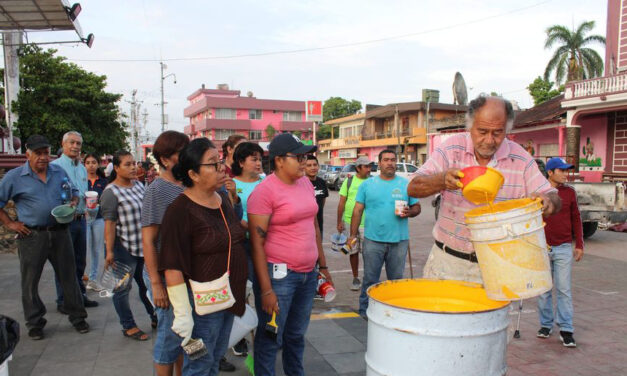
498,45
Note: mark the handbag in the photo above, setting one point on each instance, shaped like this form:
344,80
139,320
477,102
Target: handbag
216,295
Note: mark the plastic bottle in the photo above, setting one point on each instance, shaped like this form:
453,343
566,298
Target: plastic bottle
66,191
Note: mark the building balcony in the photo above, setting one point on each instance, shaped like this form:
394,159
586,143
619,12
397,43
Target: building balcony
235,124
340,143
608,90
411,136
291,126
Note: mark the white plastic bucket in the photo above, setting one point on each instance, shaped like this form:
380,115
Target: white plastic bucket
510,243
243,325
4,367
428,327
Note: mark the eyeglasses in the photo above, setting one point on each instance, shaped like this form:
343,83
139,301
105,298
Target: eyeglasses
299,157
215,165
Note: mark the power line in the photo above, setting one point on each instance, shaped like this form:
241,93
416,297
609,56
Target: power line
342,45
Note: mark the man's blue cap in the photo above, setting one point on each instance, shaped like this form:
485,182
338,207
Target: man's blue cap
554,163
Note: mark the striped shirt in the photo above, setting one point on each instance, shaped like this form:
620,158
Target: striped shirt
521,173
159,195
124,205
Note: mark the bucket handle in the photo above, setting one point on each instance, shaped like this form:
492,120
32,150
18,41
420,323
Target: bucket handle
508,228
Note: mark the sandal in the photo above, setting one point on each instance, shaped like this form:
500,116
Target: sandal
138,335
154,322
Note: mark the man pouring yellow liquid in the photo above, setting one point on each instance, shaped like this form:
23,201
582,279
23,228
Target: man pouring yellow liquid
488,121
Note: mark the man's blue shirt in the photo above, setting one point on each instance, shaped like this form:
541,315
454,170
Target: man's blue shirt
33,198
378,197
78,178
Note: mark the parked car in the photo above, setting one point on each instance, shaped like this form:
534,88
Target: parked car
324,168
331,175
335,180
405,170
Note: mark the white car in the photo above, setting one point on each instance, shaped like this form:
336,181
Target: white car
406,170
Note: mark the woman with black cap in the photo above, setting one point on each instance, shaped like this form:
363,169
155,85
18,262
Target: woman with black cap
286,243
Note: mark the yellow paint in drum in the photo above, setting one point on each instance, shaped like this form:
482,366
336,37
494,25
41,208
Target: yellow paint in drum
435,296
509,240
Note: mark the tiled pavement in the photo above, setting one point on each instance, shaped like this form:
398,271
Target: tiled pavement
336,346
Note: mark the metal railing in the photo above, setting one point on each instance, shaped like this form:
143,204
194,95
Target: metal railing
596,86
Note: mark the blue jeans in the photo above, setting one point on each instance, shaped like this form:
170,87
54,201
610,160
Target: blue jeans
95,246
214,329
295,294
120,298
78,234
561,266
375,254
167,344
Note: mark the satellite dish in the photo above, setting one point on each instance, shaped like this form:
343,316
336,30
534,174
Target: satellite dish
460,93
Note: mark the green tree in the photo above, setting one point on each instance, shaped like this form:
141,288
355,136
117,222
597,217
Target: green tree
270,131
542,90
324,131
57,97
337,107
572,60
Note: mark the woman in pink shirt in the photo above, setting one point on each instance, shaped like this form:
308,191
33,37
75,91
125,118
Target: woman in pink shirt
286,244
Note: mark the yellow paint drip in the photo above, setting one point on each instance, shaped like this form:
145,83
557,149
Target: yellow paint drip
505,206
434,296
520,253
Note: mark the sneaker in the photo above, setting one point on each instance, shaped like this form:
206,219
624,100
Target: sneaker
544,333
89,303
225,366
93,286
36,334
567,339
356,285
82,327
241,348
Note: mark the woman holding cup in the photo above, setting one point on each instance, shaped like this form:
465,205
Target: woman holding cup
96,183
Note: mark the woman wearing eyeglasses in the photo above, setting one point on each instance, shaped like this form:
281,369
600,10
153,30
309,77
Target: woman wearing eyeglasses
286,244
202,241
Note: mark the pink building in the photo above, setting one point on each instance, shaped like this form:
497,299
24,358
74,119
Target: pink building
588,124
219,113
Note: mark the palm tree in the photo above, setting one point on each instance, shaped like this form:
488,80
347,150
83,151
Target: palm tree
572,59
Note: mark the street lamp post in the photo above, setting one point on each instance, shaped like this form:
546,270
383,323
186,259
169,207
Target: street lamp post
163,66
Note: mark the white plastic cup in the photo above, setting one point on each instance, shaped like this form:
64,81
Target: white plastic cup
399,207
91,199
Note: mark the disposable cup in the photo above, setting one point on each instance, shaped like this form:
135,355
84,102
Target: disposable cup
91,199
399,206
327,291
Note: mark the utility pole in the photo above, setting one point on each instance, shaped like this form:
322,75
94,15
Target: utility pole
11,42
398,133
163,67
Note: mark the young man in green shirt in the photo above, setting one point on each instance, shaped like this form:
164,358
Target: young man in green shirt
348,192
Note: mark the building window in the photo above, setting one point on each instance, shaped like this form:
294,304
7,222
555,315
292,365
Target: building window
226,113
254,135
223,134
254,114
292,116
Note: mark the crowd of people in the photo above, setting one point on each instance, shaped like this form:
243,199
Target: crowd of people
195,234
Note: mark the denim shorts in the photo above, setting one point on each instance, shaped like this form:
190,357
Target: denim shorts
167,344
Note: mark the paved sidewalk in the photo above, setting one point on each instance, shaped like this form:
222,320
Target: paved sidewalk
336,346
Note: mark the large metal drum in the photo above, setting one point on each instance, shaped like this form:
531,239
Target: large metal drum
429,327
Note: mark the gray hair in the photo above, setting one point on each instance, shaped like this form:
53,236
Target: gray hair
71,133
480,101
